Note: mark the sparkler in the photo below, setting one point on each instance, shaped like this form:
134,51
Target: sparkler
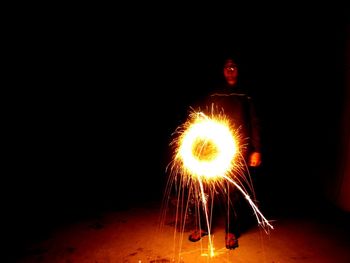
207,154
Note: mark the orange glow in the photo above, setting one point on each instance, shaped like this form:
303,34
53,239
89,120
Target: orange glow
208,155
207,147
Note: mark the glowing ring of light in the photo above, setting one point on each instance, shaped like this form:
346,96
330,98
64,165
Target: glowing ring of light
220,134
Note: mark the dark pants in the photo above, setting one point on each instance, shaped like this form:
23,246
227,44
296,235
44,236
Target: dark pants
227,201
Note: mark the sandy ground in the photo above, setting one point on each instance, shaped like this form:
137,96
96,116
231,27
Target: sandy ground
137,234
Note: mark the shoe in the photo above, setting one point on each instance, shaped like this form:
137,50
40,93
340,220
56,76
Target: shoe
197,235
231,241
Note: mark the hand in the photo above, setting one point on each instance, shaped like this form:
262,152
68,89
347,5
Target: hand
255,159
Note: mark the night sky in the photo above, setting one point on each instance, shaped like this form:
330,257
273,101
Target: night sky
93,117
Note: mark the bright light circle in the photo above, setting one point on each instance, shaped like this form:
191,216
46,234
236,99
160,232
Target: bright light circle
220,136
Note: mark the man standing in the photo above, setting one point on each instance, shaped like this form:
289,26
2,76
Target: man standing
239,108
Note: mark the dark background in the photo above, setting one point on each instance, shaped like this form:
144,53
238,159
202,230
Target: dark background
99,95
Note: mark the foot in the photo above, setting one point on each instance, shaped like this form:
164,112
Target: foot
231,241
197,235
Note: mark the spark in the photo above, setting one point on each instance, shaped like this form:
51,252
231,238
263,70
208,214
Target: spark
207,147
207,154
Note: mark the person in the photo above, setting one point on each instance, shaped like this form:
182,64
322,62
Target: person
239,107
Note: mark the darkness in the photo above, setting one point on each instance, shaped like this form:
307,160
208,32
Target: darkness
99,98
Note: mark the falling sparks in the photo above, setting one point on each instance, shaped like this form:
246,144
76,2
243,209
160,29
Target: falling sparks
207,155
207,147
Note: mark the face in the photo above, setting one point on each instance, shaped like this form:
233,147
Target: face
230,72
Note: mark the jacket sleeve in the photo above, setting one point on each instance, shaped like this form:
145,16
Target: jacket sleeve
255,127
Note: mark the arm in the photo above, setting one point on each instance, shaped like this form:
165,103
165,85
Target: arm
255,155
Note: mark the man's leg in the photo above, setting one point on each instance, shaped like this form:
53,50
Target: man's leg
201,224
232,217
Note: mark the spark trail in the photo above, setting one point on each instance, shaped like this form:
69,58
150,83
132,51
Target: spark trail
207,154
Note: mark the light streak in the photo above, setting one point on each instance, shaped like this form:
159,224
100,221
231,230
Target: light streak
207,147
207,154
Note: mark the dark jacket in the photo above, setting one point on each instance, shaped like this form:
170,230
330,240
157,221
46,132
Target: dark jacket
235,104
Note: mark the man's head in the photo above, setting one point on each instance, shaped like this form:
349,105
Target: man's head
230,71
